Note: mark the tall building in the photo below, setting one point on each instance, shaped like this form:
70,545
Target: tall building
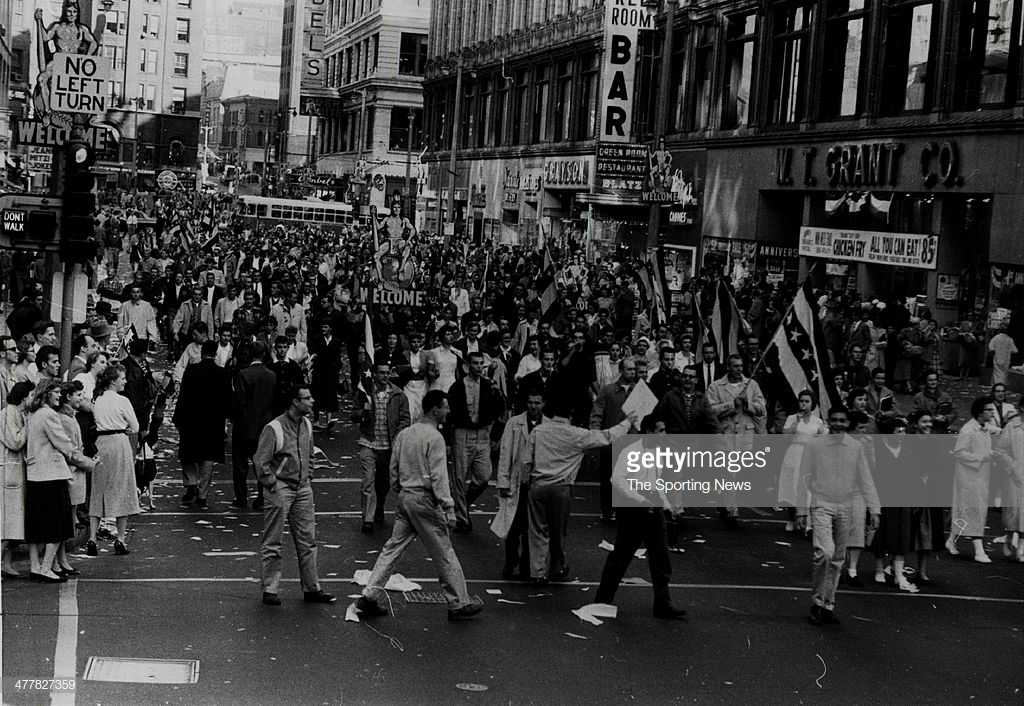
242,32
246,134
872,145
156,49
374,60
6,68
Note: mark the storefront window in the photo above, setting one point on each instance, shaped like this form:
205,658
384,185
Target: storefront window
791,26
844,58
988,53
739,69
910,56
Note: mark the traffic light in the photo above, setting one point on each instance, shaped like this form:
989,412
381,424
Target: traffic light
77,243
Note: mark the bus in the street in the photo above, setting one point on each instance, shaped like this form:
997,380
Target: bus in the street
269,212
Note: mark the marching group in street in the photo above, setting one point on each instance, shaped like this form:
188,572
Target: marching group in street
513,373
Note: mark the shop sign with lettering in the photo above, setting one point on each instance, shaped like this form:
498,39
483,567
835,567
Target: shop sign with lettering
861,165
567,172
623,20
900,249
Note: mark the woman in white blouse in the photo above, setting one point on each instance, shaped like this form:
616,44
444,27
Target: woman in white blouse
113,481
793,493
97,363
973,454
446,360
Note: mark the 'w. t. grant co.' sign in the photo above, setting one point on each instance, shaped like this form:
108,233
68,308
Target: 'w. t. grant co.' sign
872,164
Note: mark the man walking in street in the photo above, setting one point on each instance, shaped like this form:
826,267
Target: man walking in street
554,453
640,519
606,413
514,489
283,470
836,471
251,410
200,414
419,474
382,412
190,313
139,313
475,405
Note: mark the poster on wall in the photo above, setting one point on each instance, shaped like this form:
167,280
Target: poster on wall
680,266
948,289
778,262
729,256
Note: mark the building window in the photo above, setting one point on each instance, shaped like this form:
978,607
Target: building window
563,100
116,56
183,29
791,28
500,101
147,94
541,103
908,78
483,118
845,59
113,92
586,119
147,61
399,131
151,26
115,21
348,65
412,54
180,64
468,104
369,129
178,101
648,72
519,107
988,54
740,43
358,73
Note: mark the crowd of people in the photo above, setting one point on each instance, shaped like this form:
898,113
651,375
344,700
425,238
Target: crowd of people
522,368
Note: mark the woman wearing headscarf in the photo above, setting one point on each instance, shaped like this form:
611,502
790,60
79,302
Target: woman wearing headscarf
48,518
12,449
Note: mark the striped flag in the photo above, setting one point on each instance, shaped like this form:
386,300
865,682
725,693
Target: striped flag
652,273
797,357
726,323
548,290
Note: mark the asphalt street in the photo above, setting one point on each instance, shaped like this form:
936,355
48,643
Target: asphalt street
189,594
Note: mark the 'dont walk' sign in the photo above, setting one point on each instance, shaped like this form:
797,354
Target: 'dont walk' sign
79,84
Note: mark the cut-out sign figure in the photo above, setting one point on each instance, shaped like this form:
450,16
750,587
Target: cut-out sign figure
65,36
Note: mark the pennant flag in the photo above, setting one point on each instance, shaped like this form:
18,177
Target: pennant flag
130,335
209,242
726,323
653,270
832,206
700,330
797,357
546,287
879,207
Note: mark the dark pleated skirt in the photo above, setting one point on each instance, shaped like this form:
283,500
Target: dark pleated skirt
47,512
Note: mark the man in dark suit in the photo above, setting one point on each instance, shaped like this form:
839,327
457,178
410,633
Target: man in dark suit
288,374
475,405
211,292
661,381
538,380
606,413
708,369
251,410
199,415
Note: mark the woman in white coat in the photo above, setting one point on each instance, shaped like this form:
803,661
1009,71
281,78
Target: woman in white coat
793,494
1009,452
12,447
973,452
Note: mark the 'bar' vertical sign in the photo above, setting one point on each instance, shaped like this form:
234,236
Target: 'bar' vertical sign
623,20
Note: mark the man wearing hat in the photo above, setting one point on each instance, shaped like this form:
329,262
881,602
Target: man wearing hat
100,331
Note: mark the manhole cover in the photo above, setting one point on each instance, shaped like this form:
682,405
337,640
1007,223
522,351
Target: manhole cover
142,671
431,597
471,687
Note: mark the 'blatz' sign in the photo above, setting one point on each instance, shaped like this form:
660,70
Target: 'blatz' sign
623,20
